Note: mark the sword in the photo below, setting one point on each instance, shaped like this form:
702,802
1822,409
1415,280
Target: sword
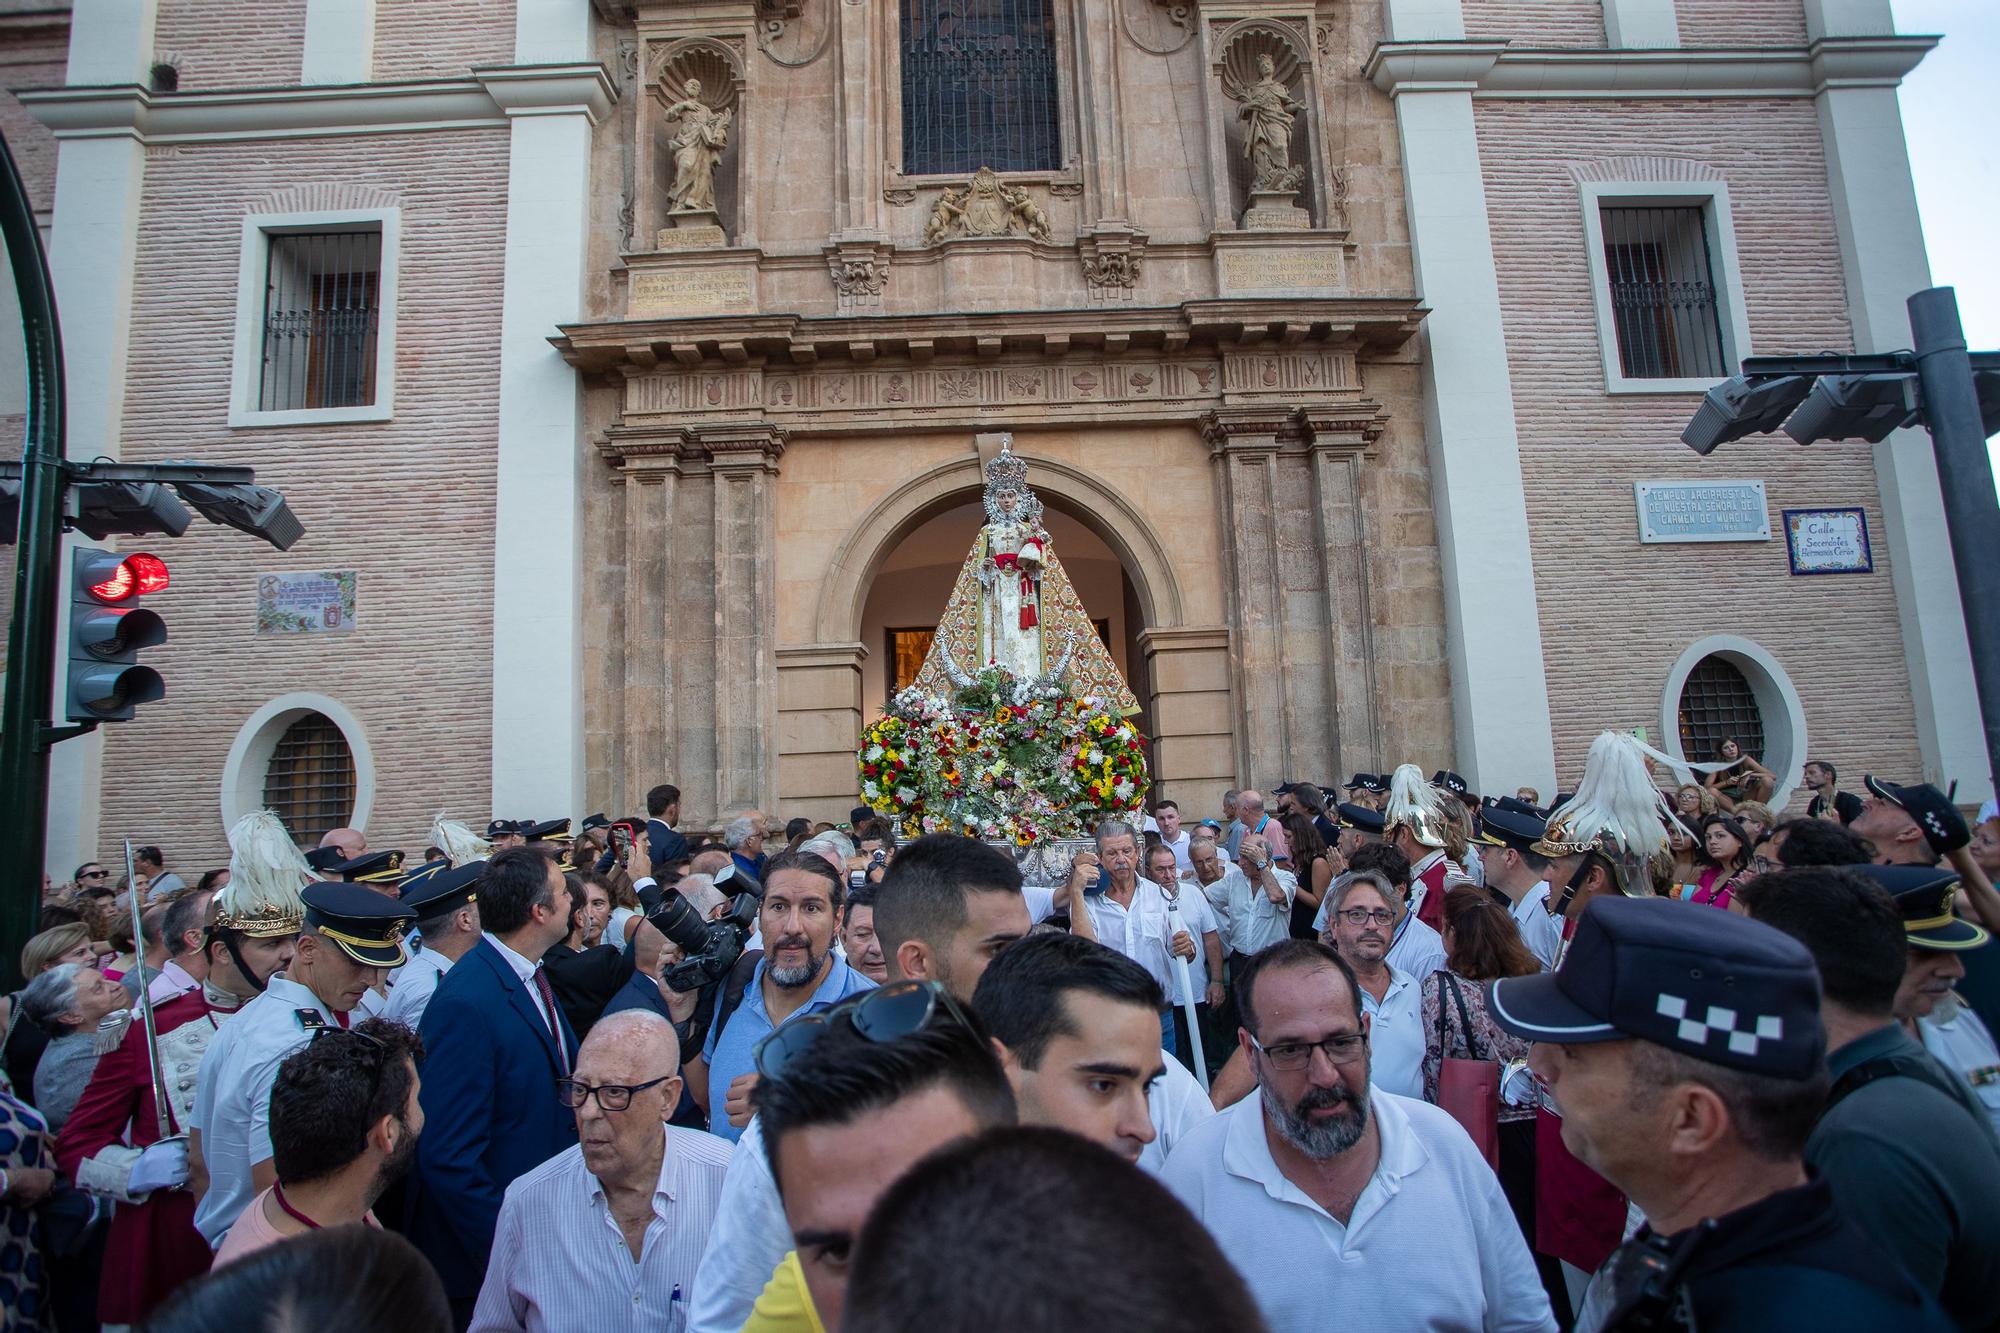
146,998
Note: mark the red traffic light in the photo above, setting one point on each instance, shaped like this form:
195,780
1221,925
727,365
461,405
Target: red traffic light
135,576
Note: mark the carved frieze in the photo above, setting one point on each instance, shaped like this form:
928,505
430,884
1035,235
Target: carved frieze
986,206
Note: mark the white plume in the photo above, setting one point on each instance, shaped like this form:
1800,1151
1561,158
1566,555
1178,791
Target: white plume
1414,803
460,845
266,870
1616,796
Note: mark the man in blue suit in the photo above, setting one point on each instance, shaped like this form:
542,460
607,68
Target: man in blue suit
663,807
497,1043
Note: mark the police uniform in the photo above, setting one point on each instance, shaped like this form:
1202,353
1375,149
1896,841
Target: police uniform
1507,822
1741,995
444,890
232,1105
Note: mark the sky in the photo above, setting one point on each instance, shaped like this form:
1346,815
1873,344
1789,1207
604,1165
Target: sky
1951,104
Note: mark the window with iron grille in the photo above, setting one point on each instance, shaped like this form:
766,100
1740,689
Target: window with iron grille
322,319
979,87
310,780
1663,297
1716,705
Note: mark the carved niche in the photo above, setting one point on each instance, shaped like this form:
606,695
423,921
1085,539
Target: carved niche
692,141
1263,70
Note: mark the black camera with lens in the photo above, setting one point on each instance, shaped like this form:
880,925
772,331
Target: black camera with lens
708,948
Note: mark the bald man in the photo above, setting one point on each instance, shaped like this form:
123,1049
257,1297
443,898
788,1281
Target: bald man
351,842
656,1183
1250,813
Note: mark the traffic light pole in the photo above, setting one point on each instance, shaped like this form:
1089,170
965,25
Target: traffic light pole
25,733
1965,475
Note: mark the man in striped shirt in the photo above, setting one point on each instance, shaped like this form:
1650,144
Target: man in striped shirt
607,1235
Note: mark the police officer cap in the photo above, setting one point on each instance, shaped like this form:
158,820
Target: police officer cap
325,859
502,828
1712,985
384,867
1924,895
1944,828
367,926
444,890
547,830
1506,822
1363,818
591,822
1446,780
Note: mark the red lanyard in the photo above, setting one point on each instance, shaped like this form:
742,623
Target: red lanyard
278,1193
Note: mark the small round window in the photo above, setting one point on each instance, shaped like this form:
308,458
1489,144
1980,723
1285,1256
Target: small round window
1717,704
309,782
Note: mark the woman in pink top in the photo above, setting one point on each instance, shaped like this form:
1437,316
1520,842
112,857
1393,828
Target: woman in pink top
1725,857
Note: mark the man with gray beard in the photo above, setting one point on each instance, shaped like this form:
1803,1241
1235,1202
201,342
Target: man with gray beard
1320,1166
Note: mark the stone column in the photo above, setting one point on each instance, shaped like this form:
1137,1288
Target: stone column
1338,441
1499,690
743,459
1278,606
1100,126
646,707
1882,255
93,249
819,719
1193,723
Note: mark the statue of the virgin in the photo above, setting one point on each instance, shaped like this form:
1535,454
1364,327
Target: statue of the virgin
1013,606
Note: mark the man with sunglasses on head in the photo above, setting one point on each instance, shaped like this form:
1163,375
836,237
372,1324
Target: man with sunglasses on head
848,1102
1328,1193
609,1234
344,1125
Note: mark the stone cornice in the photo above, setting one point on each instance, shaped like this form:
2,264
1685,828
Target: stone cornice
1500,70
486,99
1375,322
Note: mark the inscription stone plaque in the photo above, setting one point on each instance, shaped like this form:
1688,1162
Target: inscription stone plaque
1286,270
676,291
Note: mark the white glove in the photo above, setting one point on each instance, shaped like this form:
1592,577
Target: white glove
162,1166
1518,1086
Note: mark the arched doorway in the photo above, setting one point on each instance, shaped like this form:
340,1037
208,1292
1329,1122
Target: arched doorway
912,585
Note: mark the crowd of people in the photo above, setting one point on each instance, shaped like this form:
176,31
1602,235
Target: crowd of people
1643,1056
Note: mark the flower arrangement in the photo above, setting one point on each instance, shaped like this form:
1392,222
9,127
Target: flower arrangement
1006,758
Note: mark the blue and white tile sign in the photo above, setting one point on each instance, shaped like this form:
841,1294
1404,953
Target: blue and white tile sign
1828,541
1702,511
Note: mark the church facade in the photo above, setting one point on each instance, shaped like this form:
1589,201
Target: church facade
633,366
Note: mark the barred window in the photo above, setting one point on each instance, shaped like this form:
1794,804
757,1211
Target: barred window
322,319
979,87
1716,705
1663,297
310,780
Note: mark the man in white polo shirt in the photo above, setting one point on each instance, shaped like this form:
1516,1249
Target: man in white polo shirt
1364,913
1330,1196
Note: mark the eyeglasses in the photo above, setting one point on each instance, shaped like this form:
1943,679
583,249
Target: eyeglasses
883,1014
95,874
1763,865
610,1096
1343,1048
1361,916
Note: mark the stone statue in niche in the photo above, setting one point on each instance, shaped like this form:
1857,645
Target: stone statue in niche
699,138
1270,111
986,207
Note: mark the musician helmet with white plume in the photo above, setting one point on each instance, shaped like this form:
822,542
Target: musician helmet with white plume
1617,815
1414,805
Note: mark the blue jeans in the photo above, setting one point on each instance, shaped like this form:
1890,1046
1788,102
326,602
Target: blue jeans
1167,1042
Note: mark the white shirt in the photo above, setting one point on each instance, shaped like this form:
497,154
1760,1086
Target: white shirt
748,1239
1250,920
560,1261
1431,1243
1198,919
525,969
1965,1047
1179,842
1176,1103
1540,931
232,1096
1417,950
1141,933
1396,1035
172,981
416,981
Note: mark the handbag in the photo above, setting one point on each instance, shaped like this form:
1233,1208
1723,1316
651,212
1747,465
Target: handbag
1469,1090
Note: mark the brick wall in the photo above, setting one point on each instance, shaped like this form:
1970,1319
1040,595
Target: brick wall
230,46
408,503
1536,22
1615,614
432,39
1741,22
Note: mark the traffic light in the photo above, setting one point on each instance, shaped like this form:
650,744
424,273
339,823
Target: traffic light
257,510
126,508
1856,407
106,632
1744,406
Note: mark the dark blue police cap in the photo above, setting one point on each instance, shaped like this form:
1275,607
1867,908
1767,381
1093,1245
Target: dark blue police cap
1924,895
366,925
384,867
502,828
1507,822
597,821
1713,985
1447,780
1363,818
325,859
444,890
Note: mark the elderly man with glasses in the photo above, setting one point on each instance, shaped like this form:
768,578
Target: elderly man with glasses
609,1234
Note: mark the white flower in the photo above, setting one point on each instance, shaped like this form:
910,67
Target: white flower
874,753
1093,756
1122,790
905,795
870,791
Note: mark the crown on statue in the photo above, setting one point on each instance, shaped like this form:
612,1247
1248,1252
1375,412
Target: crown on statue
1007,472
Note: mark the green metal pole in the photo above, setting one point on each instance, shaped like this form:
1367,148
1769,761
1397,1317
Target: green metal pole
24,760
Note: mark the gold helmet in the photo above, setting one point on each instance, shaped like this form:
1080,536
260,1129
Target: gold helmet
266,872
460,845
1414,805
